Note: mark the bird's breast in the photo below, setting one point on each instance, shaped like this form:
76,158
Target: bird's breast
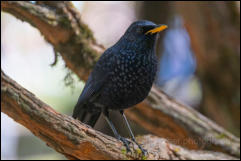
130,79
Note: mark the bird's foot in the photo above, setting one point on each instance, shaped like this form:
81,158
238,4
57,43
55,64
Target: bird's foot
125,142
144,151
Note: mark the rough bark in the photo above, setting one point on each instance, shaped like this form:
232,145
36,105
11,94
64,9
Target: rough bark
76,140
60,24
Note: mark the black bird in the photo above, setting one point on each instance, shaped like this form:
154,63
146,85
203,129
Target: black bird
122,77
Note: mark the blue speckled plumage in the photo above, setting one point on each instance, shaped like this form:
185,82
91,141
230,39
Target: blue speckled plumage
129,80
124,74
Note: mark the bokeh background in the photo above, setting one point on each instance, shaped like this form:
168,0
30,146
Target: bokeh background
199,65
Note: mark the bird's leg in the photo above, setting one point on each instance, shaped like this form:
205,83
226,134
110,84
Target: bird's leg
131,133
125,142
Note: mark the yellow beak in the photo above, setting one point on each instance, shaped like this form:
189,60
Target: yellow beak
157,29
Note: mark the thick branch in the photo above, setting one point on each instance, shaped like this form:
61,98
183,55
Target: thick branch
74,139
60,24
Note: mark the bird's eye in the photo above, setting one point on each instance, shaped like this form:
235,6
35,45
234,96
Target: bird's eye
139,30
147,28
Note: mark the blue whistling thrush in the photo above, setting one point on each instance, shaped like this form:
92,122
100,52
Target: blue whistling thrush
122,77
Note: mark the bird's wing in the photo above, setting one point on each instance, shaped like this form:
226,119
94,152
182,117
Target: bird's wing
96,79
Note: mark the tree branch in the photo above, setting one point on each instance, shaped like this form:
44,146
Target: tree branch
76,140
61,25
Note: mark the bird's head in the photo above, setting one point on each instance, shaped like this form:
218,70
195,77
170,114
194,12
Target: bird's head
142,34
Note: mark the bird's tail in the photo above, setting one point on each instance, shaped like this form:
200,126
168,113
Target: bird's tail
85,116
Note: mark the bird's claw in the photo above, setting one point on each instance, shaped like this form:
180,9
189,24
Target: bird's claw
144,151
125,142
